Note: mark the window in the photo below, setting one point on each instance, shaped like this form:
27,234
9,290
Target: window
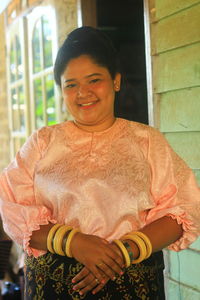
42,73
16,79
33,98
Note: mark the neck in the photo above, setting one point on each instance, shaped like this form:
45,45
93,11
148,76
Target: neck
95,128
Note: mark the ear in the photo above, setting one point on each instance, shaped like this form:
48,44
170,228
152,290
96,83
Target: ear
117,82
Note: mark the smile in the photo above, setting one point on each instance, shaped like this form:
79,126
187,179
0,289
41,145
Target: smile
87,105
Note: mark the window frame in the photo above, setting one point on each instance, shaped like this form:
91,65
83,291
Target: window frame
23,28
32,19
17,29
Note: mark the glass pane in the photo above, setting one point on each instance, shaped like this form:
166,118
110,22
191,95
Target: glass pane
19,59
14,97
22,141
38,103
36,48
17,144
47,39
51,111
13,69
21,108
15,110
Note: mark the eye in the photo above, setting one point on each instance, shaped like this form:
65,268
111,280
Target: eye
95,80
70,85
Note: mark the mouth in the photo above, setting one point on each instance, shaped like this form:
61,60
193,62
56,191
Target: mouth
87,105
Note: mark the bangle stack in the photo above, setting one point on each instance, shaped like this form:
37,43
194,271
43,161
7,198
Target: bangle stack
124,251
59,239
146,241
142,242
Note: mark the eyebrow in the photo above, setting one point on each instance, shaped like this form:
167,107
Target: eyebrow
88,76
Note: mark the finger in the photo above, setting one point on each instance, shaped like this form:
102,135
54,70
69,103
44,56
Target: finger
107,270
114,266
99,287
81,275
98,274
115,255
110,268
94,282
89,287
86,282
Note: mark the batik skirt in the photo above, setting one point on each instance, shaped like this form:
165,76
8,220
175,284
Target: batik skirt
49,277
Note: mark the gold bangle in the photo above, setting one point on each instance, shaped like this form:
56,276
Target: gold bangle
69,240
58,238
141,245
50,237
124,252
146,240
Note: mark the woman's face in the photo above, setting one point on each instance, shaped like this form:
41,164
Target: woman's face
89,91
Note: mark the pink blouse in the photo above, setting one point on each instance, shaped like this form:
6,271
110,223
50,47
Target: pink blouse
107,183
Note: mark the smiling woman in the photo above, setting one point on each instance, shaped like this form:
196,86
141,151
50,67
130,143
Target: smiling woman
89,92
87,69
95,200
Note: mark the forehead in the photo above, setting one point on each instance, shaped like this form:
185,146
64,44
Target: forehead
82,64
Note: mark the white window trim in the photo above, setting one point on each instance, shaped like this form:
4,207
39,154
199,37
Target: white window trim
17,29
23,28
32,19
148,62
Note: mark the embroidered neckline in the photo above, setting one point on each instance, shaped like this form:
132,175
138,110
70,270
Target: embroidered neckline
116,126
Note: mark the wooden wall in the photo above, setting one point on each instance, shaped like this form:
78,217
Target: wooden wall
175,31
176,74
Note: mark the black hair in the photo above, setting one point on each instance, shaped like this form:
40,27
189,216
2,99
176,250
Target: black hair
90,41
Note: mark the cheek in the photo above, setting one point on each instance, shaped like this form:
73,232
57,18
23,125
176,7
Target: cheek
68,97
104,89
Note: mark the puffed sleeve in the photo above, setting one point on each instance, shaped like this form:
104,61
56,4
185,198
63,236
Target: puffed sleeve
174,190
19,211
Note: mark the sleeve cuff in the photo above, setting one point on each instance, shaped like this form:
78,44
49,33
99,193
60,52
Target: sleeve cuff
190,232
33,227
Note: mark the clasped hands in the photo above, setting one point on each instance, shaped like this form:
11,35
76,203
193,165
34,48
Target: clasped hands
102,261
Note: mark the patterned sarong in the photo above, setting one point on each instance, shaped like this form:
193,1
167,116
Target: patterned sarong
49,278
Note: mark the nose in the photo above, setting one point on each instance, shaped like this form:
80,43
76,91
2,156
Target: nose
83,91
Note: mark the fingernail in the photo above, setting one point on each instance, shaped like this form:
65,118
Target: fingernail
103,281
121,273
73,281
74,288
93,293
80,293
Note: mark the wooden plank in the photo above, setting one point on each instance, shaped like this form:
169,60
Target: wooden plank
177,291
89,13
177,69
196,245
197,175
179,29
168,7
187,146
182,264
180,110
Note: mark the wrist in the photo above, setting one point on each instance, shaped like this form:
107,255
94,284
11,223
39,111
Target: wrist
117,249
75,243
134,249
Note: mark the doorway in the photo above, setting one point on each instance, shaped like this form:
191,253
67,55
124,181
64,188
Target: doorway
123,22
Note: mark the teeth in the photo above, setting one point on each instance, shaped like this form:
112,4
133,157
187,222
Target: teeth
87,104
